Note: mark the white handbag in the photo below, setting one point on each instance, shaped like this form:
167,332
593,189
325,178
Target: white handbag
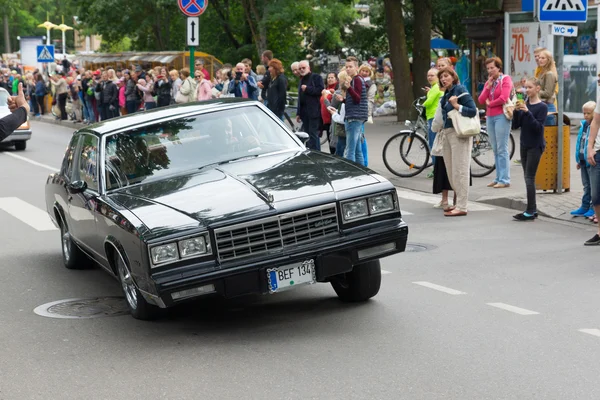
438,120
437,149
465,126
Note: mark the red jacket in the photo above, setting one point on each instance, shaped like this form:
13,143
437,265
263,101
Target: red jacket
326,115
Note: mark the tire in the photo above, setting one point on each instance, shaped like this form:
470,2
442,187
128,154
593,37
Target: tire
413,151
483,155
290,123
138,306
360,284
73,257
511,146
21,145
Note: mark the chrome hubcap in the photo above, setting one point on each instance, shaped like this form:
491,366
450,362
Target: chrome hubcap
127,284
66,244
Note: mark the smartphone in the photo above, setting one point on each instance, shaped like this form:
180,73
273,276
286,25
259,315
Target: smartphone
520,96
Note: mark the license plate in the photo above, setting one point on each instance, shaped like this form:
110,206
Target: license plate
289,276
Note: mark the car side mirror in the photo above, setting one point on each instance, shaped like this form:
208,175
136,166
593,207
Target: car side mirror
303,136
77,187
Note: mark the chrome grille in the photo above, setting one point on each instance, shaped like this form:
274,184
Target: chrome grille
276,233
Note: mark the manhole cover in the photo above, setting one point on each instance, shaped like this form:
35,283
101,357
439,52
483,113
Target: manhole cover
413,247
96,307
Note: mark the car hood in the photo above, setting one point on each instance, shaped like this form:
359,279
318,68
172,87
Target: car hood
249,187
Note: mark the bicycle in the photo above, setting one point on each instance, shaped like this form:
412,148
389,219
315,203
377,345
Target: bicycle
482,153
413,146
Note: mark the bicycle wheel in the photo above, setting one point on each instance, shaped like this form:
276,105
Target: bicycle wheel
511,146
413,151
290,123
483,155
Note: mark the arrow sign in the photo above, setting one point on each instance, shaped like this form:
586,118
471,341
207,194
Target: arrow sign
193,31
564,30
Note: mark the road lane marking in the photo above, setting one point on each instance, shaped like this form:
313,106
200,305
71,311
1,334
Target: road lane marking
593,332
31,215
384,272
439,288
406,212
432,199
516,310
30,161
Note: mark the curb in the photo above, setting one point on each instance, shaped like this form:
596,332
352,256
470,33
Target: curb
57,122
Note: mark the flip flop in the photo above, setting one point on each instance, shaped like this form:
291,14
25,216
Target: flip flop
455,213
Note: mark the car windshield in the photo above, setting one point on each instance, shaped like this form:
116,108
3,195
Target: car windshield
189,143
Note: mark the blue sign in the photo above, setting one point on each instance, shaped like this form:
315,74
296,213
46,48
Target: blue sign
45,53
563,10
527,5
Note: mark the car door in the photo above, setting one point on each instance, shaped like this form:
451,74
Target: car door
83,204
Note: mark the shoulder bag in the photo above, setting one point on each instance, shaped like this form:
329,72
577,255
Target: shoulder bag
465,126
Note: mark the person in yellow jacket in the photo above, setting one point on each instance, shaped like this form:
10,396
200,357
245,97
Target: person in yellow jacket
431,102
538,71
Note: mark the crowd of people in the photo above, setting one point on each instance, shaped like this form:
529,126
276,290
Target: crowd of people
347,97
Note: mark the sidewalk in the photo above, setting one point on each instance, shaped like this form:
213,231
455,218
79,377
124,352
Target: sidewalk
549,204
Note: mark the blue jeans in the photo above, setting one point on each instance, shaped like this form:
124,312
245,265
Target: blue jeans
551,119
498,128
586,200
89,105
83,106
353,150
340,147
431,136
595,180
364,148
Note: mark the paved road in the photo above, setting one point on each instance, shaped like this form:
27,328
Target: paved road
493,309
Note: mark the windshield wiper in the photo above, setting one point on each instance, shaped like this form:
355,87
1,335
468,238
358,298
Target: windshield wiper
238,159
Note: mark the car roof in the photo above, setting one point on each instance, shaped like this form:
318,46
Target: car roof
162,113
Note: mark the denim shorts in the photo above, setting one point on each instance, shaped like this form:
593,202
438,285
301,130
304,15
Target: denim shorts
595,180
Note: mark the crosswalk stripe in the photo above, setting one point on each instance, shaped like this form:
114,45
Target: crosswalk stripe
31,215
30,161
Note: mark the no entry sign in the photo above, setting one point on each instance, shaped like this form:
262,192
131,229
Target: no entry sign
192,8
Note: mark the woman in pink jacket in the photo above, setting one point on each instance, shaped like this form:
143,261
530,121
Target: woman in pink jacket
121,86
495,93
204,88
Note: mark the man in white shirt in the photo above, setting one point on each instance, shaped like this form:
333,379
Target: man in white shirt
594,160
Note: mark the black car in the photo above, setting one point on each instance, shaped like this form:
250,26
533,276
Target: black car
219,198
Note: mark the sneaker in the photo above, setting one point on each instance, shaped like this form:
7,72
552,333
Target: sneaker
589,213
595,241
580,212
523,217
430,175
517,161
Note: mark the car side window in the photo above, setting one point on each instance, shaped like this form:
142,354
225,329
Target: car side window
87,168
67,165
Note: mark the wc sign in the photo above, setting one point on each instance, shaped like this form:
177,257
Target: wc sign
564,30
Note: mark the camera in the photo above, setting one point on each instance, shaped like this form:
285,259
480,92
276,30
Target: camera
238,75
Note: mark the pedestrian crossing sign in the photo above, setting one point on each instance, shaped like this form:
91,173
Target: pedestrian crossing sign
563,10
45,53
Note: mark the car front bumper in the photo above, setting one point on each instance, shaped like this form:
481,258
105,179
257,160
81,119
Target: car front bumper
251,277
18,136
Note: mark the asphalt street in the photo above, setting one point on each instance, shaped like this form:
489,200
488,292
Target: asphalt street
488,309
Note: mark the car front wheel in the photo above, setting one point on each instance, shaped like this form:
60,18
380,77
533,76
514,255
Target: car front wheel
138,306
72,255
360,284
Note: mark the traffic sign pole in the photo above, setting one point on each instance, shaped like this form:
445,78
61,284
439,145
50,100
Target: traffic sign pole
192,62
559,45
